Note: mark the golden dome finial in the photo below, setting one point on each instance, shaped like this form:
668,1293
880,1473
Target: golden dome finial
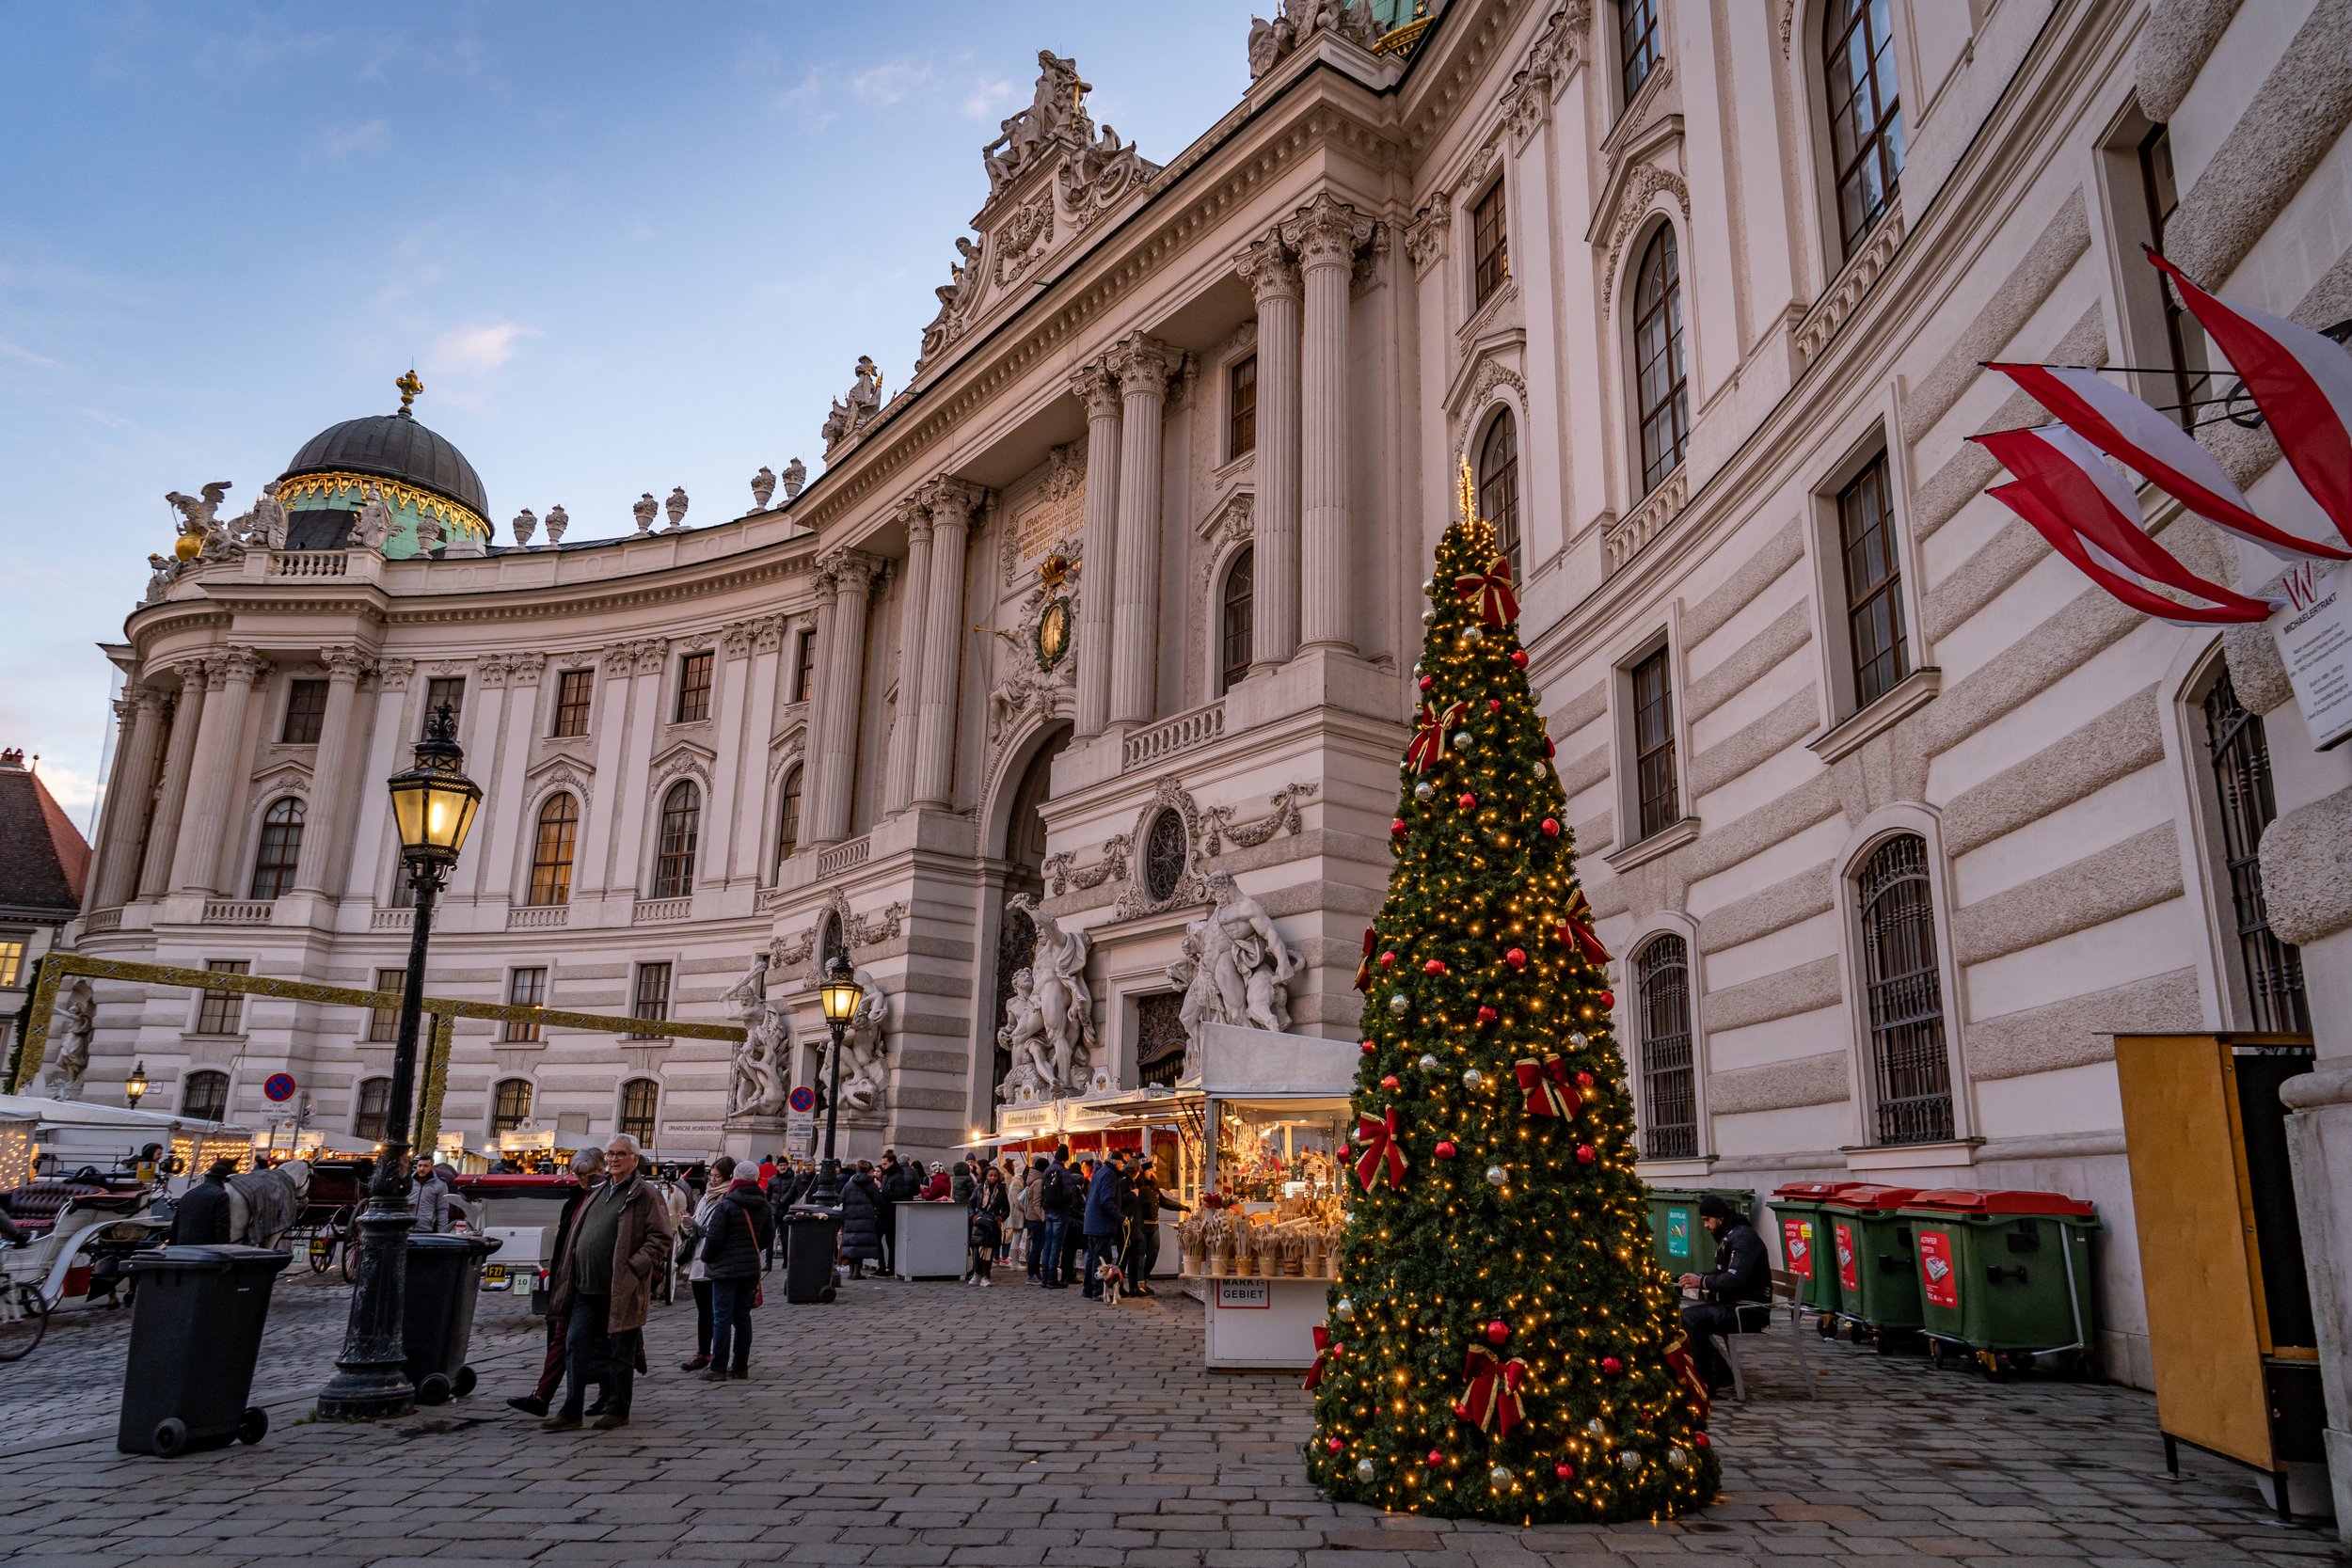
409,387
1470,491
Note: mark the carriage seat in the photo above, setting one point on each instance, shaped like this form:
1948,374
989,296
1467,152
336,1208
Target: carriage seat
37,1204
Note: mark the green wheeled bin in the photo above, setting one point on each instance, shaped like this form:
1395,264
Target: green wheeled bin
1805,1245
1682,1244
1878,1273
2005,1277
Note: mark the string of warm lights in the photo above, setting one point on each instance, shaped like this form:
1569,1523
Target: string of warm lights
1501,1343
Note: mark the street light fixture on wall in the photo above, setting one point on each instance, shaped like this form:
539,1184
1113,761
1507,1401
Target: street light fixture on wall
433,808
840,995
135,1086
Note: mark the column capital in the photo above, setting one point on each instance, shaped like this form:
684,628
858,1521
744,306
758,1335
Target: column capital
242,667
768,633
345,663
1270,270
1142,364
842,570
393,673
952,502
1093,384
525,669
1326,233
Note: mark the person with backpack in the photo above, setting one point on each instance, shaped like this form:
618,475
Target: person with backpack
989,1205
739,1232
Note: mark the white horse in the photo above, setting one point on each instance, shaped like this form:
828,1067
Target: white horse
264,1205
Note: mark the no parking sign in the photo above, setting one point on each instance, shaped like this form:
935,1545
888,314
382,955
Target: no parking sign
280,1085
804,1099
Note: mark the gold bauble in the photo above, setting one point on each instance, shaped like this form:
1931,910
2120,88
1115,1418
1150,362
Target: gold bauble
188,547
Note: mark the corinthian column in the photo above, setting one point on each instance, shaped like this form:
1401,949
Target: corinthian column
1324,235
1273,279
331,768
953,504
212,774
1141,365
842,655
1098,543
171,796
127,795
914,619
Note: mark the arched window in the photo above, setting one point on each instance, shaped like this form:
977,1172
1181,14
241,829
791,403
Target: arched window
1637,43
510,1105
1499,484
204,1095
640,1099
1657,359
1912,1074
681,825
552,849
370,1108
788,816
1237,627
280,846
1866,122
1670,1120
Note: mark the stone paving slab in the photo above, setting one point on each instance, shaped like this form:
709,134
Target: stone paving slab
931,1424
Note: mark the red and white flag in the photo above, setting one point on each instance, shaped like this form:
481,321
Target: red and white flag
2064,540
2126,428
2301,381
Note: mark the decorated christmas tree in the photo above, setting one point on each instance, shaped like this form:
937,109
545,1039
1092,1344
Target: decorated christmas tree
1501,1342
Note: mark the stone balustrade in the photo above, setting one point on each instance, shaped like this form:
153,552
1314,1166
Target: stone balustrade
1196,727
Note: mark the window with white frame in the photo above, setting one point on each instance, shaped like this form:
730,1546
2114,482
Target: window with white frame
1670,1120
1661,401
1498,478
1903,993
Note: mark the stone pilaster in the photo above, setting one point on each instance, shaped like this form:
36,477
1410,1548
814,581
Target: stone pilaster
952,504
213,770
127,796
324,832
847,591
914,616
1273,278
1325,234
1099,543
1141,364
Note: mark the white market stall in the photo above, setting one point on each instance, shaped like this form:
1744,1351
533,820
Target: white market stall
68,1134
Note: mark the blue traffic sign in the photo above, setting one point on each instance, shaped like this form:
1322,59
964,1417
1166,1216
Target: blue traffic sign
804,1098
280,1085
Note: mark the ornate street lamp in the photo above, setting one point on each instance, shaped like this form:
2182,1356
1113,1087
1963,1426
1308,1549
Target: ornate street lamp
840,993
432,807
135,1086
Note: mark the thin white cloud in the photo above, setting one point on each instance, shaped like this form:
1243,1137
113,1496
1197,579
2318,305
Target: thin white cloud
890,84
810,100
475,350
18,351
986,97
337,142
70,787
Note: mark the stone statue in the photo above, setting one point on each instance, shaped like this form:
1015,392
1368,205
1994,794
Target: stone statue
373,525
196,516
756,1084
526,524
644,511
264,526
795,478
431,534
763,487
1244,959
73,1023
863,1080
1030,1078
1198,1003
853,413
1269,42
1058,1046
558,520
160,570
675,507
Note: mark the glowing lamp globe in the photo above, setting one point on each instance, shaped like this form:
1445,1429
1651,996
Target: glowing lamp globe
840,993
135,1086
434,802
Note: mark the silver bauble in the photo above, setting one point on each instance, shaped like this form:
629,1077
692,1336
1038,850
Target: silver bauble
1343,1310
1473,637
1473,1079
1677,1459
1363,1469
1424,789
1397,1004
1429,588
1429,617
1499,1477
1461,741
1428,1061
1497,1176
1595,1429
1578,1040
1630,1460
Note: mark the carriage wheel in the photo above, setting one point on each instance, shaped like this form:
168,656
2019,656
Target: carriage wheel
322,1251
22,1328
351,1258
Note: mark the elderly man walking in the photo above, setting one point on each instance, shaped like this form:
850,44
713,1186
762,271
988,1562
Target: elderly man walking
588,1170
618,1244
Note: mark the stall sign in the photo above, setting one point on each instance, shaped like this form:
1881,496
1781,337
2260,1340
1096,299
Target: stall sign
1936,1276
1845,1257
1243,1295
1796,1244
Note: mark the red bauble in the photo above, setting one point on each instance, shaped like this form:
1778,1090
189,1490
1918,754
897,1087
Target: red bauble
1519,658
1445,1149
1333,1444
1583,1080
1497,1332
1435,1458
1550,750
1607,999
1564,1470
1488,1015
1429,682
1461,1413
1434,966
1552,826
1370,1048
1494,705
1389,1081
1586,1154
1515,958
1612,1366
1396,826
1387,960
1468,801
1698,1440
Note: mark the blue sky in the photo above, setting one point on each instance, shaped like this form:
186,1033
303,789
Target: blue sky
627,246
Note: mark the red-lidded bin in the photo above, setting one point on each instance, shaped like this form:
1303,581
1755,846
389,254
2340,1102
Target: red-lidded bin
1804,1240
2005,1274
1878,1275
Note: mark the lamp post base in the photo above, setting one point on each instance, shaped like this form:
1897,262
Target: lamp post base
372,1376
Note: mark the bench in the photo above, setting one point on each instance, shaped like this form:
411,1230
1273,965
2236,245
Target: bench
1786,1294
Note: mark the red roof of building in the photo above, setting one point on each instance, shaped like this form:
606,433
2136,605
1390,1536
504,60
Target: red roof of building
43,857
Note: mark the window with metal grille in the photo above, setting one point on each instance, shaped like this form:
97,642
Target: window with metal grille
1912,1072
222,1012
1670,1110
650,998
525,987
384,1022
1498,484
693,687
1658,376
2239,751
278,849
788,818
1160,1038
2192,378
1874,605
510,1105
1241,407
306,713
205,1095
552,849
1637,43
1653,783
1866,122
1490,244
804,667
445,691
1238,630
681,825
574,694
640,1099
1165,849
370,1108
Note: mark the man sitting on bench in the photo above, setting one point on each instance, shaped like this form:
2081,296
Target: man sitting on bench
1742,1276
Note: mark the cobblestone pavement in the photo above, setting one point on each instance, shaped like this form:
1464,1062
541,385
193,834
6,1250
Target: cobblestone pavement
930,1424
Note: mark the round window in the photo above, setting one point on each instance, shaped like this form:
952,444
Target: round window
1164,851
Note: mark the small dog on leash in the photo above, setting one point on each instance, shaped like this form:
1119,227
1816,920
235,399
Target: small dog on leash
1113,1283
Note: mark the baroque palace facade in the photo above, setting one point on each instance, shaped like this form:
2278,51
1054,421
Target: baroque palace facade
1889,817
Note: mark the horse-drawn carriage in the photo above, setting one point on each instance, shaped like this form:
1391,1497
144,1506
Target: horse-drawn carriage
82,1229
323,1231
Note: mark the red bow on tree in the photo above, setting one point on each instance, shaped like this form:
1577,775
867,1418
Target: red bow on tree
1428,746
1492,1401
1491,589
1686,1371
1363,971
1325,1350
1577,930
1550,1090
1381,1155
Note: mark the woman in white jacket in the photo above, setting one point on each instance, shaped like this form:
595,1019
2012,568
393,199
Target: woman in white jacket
722,1172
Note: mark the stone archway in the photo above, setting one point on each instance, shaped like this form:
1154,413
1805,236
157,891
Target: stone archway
1023,851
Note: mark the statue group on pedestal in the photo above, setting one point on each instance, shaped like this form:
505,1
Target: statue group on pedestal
1236,968
760,1075
72,1026
1049,1023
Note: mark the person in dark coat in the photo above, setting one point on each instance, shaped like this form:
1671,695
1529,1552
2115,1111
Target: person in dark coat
1143,1233
1105,1220
1742,1276
861,1220
737,1235
898,1183
588,1171
201,1218
989,1205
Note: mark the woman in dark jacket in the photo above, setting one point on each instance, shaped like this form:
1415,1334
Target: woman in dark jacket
989,1205
738,1232
861,1220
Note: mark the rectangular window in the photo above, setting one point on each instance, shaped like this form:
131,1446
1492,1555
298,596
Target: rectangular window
306,713
510,1105
370,1110
11,960
2190,377
651,998
1911,1070
222,1012
1654,745
2239,751
693,687
1670,1122
574,690
1874,606
384,1022
1637,43
1241,407
525,987
640,1099
450,689
1490,244
804,667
